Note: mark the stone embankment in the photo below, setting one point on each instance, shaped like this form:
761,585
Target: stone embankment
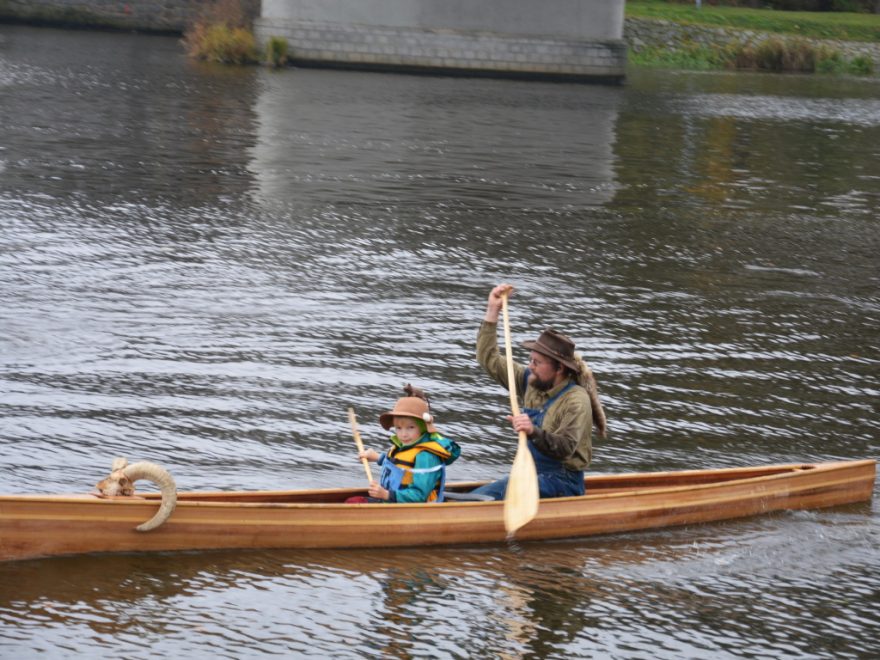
145,15
176,15
646,33
171,16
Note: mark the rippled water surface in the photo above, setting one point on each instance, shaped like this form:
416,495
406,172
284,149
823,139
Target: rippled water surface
205,267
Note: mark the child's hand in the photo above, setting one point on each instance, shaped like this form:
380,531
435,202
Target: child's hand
369,454
378,492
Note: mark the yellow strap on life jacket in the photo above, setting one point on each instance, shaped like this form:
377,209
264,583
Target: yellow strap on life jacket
407,455
405,459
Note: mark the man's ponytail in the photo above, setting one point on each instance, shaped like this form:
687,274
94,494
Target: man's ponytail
587,380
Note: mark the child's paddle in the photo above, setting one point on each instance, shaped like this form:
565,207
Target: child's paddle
521,498
357,441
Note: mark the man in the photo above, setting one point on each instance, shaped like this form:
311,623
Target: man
561,404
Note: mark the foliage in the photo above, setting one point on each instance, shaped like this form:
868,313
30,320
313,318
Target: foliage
221,34
773,54
276,51
842,26
221,43
861,66
692,56
778,52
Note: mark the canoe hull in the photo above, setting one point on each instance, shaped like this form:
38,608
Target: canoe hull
39,526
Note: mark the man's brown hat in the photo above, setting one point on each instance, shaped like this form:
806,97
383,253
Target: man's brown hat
555,345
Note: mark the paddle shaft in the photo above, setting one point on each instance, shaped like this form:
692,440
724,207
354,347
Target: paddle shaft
522,494
511,375
360,445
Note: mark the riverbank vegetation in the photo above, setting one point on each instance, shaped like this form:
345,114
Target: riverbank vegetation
843,26
772,54
772,40
790,41
222,33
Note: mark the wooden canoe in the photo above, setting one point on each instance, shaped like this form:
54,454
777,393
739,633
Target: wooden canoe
48,525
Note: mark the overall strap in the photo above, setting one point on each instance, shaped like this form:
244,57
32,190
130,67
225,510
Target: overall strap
537,414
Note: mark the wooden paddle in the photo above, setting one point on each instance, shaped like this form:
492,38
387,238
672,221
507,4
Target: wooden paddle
521,498
360,445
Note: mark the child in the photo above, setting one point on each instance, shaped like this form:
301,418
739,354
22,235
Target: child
414,469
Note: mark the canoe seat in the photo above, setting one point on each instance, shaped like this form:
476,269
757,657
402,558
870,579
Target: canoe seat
466,497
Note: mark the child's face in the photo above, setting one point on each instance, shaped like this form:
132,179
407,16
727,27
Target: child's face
407,429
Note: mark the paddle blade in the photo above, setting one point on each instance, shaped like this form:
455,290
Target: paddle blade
521,498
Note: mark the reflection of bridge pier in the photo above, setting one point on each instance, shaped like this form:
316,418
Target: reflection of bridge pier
557,39
341,138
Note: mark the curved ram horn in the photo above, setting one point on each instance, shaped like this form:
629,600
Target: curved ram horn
161,477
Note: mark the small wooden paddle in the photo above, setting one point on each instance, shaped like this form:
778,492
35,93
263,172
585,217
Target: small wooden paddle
360,445
521,498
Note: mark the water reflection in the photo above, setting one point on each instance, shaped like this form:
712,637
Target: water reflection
718,587
129,119
720,139
424,142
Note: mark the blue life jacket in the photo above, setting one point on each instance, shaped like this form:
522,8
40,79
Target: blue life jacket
398,466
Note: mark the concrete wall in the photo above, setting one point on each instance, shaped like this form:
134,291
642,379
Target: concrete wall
600,20
567,39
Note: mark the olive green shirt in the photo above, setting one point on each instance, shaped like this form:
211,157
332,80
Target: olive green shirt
565,433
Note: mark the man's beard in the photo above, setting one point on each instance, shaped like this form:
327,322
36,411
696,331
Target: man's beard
539,384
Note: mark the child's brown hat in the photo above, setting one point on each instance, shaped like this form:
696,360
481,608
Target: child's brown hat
409,406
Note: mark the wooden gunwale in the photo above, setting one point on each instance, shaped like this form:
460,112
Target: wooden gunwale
41,525
273,499
639,483
691,482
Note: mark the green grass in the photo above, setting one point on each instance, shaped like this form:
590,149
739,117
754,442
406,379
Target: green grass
694,58
815,25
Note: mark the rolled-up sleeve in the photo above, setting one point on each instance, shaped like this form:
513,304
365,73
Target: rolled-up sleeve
490,357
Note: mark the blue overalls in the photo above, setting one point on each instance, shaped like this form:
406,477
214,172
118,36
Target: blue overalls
554,480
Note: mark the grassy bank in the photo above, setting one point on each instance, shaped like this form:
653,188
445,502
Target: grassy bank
813,25
792,41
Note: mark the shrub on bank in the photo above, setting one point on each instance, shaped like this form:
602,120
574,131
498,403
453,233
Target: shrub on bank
221,43
801,56
831,61
861,66
773,54
780,55
222,34
276,51
683,46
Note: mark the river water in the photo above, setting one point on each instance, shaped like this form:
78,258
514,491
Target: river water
205,267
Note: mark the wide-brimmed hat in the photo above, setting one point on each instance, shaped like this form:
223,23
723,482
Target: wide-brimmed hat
409,406
555,345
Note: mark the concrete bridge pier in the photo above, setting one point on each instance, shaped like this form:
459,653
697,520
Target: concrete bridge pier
577,40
